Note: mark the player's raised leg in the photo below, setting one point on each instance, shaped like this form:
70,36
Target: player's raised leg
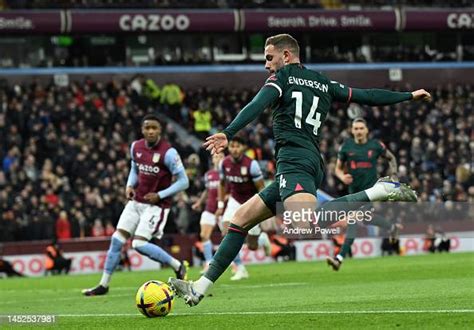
385,189
248,215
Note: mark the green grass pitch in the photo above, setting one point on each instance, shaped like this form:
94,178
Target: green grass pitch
429,291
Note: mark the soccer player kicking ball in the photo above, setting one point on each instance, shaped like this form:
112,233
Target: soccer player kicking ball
360,154
300,99
149,190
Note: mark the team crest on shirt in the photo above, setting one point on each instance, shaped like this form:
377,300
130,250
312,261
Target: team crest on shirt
369,153
243,170
272,78
156,158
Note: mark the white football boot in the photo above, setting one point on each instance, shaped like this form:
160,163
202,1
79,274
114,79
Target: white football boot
185,290
396,191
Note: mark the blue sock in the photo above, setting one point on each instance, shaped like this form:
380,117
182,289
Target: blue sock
237,260
154,252
207,250
113,255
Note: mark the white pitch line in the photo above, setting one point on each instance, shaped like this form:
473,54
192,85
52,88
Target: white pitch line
427,311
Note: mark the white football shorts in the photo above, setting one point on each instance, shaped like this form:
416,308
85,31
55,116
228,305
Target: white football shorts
208,218
145,220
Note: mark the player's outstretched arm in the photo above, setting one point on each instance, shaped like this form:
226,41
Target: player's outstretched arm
421,95
265,97
386,97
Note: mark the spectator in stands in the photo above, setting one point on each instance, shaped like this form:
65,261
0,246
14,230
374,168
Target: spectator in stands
63,226
98,229
109,228
10,160
171,97
202,120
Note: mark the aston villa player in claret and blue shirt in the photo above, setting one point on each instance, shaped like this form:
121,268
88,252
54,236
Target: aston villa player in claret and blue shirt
149,189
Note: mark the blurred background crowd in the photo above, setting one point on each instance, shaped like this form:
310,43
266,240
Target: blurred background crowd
64,151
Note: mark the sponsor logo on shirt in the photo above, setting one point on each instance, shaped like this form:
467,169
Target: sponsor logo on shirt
148,169
237,179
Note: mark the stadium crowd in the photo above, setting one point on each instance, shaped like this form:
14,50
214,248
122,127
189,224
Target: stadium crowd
65,162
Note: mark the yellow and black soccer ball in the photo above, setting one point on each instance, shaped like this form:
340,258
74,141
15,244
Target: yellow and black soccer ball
155,298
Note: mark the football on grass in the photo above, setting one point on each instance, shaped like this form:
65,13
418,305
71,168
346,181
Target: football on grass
154,298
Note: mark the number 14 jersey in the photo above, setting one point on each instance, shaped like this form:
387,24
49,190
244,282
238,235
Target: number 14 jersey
304,103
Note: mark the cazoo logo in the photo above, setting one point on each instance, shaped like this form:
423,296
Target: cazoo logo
154,22
236,179
461,20
148,169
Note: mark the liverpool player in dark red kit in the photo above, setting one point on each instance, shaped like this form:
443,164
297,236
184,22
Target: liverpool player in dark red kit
149,190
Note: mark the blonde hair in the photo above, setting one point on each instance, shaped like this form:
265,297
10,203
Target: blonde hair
282,41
